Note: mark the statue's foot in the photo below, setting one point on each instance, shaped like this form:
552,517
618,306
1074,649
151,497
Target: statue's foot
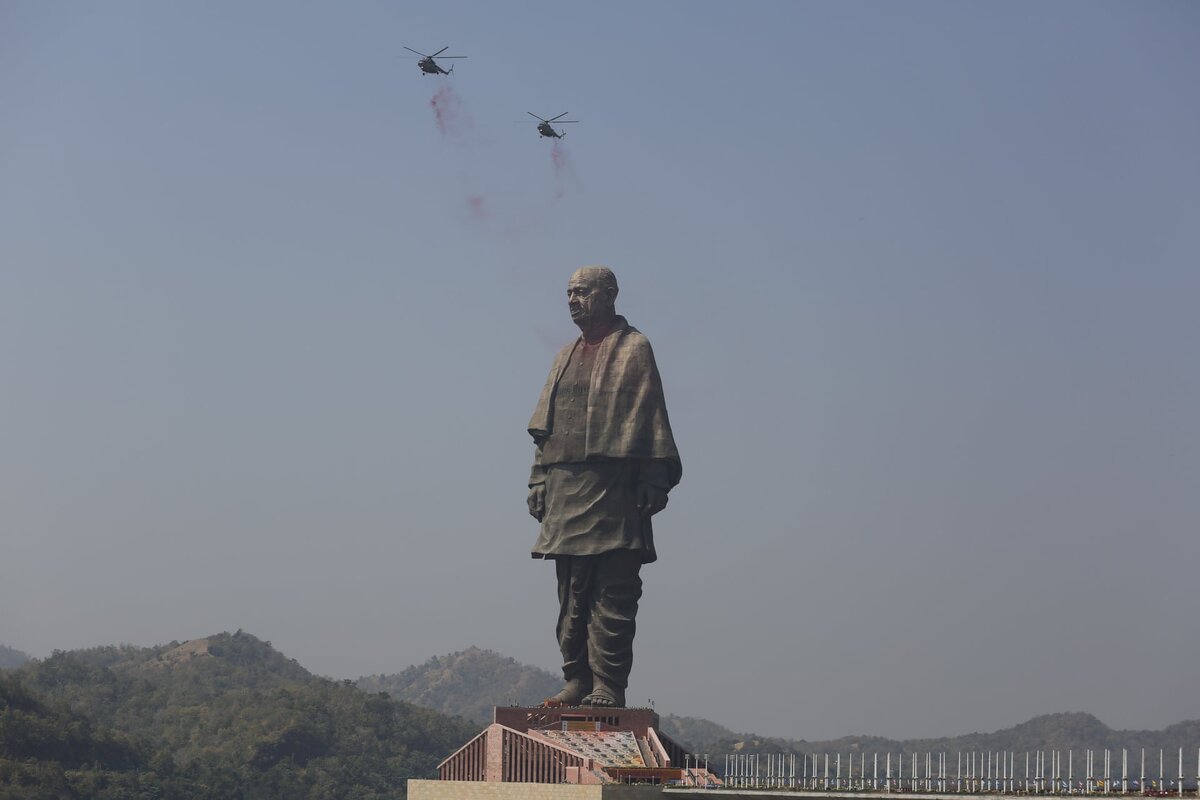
603,696
571,694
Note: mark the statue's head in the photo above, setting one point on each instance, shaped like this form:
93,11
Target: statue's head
592,295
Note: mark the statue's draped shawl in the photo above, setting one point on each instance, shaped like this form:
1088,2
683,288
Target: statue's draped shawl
626,411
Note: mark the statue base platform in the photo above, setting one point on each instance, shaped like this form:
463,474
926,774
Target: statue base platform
585,746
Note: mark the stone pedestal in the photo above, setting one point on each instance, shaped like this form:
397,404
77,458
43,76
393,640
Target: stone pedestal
581,746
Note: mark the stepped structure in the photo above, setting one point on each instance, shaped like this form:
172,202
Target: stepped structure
573,745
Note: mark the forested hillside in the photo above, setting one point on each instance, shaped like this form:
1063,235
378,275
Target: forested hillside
222,717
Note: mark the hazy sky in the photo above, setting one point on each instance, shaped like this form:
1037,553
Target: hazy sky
921,279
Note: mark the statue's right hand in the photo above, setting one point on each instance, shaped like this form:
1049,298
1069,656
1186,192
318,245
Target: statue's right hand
537,501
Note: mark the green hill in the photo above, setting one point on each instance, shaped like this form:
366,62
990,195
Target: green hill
467,684
230,717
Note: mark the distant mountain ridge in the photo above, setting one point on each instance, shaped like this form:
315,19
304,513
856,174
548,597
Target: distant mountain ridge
470,682
1060,731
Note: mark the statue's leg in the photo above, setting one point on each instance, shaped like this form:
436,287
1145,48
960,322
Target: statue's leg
611,625
574,589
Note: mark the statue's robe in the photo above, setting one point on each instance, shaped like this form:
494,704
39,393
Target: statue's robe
592,458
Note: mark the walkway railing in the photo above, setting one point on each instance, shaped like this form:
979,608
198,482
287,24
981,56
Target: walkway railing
1040,772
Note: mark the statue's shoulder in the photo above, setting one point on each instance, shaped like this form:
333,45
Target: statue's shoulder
630,334
633,339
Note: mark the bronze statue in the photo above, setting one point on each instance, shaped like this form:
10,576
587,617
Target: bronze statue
603,464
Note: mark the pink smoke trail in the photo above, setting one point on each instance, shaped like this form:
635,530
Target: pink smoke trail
477,204
564,174
453,123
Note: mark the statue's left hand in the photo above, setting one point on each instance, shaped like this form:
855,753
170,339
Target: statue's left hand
537,501
650,499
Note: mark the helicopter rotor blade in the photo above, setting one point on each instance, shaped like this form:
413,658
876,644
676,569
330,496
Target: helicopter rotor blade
439,52
535,116
560,115
409,49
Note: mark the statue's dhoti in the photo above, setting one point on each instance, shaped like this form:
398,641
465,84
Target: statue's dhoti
597,604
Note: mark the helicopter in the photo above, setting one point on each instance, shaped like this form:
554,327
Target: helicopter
429,66
546,130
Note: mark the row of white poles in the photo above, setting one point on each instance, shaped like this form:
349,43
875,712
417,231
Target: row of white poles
1045,772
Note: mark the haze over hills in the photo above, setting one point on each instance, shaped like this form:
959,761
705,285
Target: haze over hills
470,682
11,658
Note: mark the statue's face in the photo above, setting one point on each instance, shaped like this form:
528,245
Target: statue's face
587,299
